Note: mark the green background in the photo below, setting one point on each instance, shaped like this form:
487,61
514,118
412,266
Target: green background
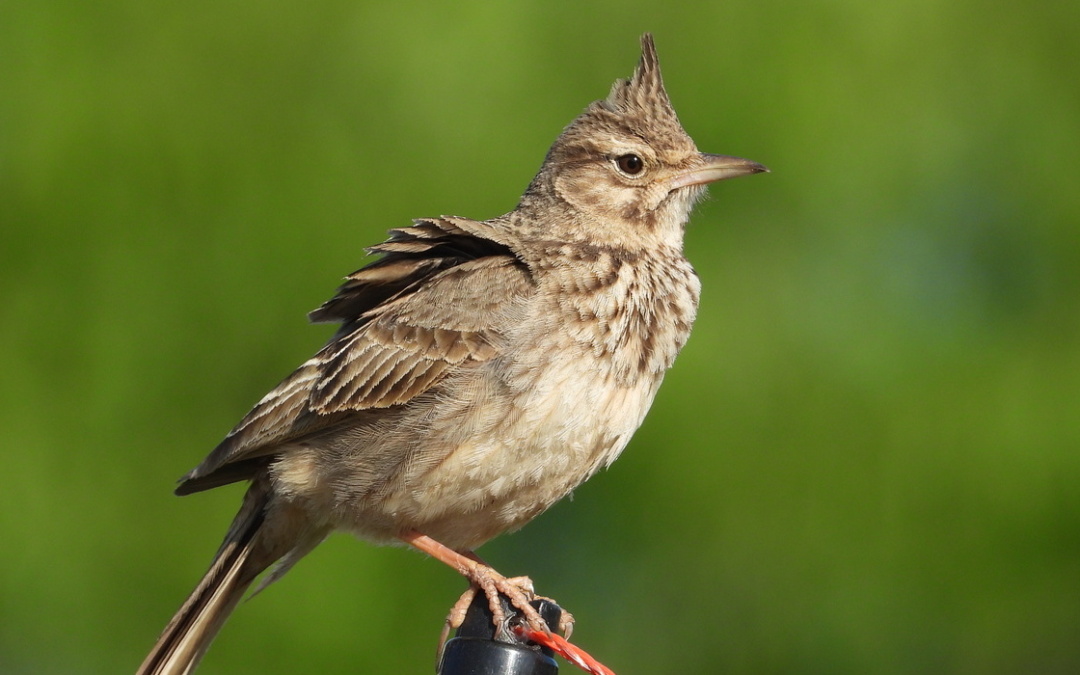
867,460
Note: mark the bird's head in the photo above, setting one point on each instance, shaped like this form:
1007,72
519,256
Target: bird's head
626,161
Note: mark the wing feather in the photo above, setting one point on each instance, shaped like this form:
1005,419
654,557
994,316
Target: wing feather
398,339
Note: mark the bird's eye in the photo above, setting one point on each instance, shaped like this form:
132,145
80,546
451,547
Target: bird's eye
630,164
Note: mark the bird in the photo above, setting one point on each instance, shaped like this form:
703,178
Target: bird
481,370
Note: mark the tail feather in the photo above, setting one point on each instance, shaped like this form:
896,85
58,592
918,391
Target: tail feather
189,634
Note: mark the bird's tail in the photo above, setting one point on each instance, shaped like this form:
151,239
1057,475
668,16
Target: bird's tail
189,634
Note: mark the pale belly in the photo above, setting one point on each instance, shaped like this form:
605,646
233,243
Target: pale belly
549,444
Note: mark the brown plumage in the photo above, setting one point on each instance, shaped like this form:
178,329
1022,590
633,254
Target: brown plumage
482,369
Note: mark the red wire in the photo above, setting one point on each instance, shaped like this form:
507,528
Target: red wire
561,646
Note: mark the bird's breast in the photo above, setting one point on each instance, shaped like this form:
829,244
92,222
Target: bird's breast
636,318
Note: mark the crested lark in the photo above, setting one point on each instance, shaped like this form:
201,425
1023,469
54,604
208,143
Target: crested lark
483,369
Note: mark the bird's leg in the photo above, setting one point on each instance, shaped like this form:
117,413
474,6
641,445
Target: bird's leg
519,590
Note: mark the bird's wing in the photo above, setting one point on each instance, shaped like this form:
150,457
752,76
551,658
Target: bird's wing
432,304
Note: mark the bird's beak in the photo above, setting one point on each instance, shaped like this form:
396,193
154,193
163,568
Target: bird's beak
714,168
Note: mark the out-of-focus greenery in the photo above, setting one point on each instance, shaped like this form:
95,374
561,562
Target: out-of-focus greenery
867,460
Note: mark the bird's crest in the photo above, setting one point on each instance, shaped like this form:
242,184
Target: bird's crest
639,105
645,89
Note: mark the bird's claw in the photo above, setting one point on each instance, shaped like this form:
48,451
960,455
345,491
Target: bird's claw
518,591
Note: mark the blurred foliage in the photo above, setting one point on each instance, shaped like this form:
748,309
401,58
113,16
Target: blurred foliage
866,460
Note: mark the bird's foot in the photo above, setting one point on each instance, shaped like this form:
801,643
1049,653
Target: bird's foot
518,590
